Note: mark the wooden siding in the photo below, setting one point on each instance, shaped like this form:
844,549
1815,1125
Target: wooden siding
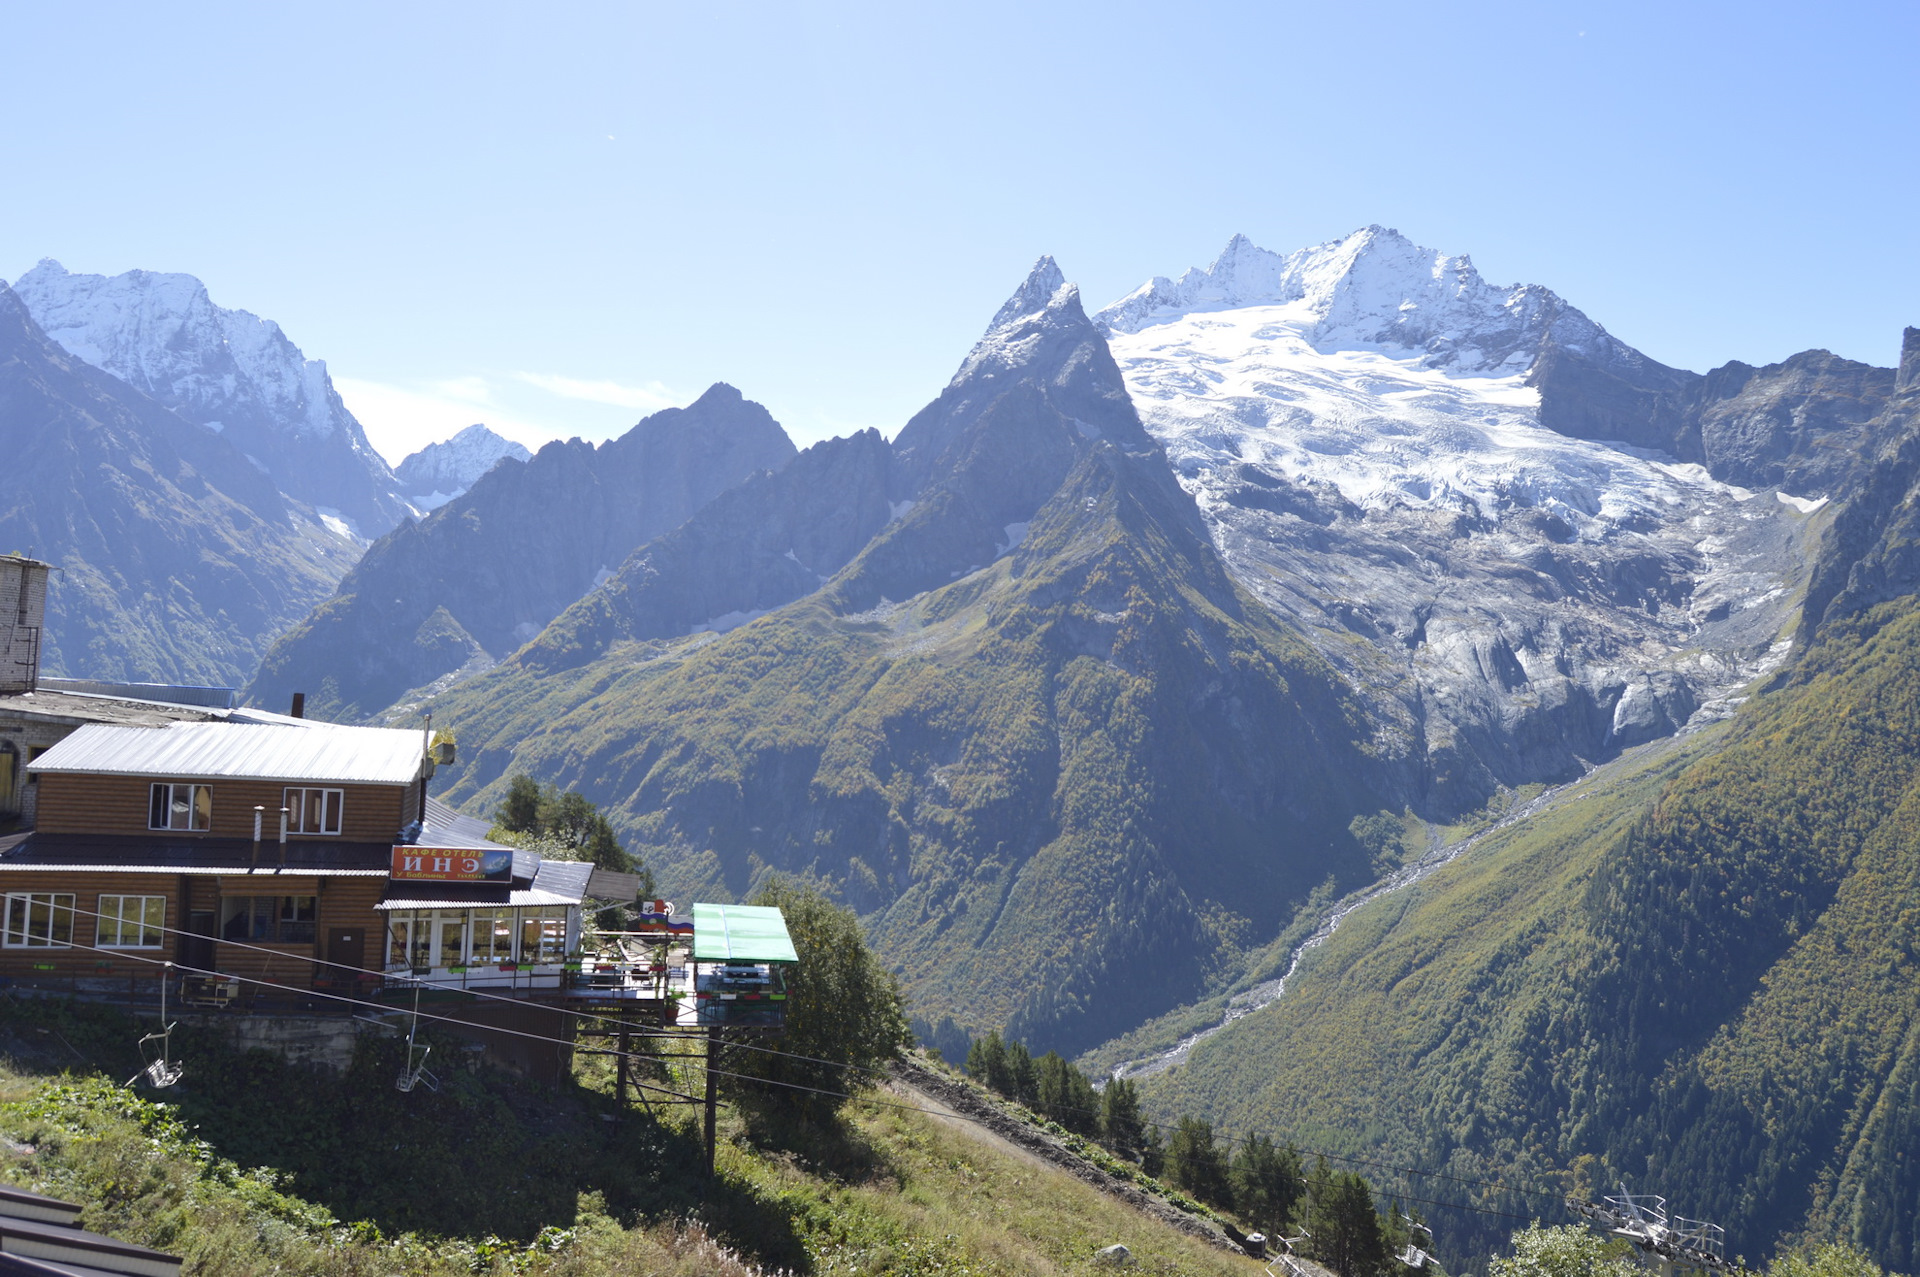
71,804
342,902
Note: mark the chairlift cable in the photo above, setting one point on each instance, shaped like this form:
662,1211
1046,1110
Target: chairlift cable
587,1015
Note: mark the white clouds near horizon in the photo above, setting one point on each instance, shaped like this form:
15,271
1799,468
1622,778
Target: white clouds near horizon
652,397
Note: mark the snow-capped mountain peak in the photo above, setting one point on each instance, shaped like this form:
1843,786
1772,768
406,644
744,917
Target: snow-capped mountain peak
1374,289
161,330
1033,295
441,471
228,370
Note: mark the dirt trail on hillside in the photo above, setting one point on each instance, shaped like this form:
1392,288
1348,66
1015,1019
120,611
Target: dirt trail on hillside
986,1122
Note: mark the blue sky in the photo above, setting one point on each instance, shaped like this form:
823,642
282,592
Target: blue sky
556,218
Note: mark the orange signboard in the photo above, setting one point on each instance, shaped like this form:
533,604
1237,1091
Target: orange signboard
438,864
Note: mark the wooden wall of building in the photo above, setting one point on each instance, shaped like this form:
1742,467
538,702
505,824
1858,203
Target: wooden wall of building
70,804
343,903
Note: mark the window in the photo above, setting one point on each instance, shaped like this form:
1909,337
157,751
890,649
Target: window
314,811
131,922
179,807
41,920
492,935
543,935
450,930
269,919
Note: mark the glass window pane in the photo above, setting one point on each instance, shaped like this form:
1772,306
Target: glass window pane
335,799
157,806
453,938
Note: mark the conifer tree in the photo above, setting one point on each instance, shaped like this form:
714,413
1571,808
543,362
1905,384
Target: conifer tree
1121,1127
1197,1164
1346,1230
1021,1088
1267,1184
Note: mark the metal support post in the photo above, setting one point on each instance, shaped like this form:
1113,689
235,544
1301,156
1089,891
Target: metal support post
620,1068
713,1049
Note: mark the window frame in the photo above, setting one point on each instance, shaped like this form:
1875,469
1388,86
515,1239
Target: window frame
198,821
121,922
281,929
296,812
26,938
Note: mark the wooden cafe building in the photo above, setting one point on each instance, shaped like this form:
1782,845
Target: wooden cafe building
286,857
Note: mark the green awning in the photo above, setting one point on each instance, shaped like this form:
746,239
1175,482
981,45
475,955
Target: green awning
741,933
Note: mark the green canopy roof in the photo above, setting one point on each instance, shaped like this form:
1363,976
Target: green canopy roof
741,933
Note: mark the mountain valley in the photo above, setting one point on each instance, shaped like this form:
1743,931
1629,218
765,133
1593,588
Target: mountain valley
1157,632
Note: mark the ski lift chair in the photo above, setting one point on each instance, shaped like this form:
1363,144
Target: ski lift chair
160,1070
414,1072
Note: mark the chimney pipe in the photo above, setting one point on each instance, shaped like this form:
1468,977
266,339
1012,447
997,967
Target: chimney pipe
299,709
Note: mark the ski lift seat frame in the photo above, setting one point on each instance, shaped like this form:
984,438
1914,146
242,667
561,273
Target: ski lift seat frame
414,1072
160,1070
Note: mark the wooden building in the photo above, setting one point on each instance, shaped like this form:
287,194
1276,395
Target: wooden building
294,857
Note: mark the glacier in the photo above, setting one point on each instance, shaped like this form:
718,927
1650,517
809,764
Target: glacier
1360,426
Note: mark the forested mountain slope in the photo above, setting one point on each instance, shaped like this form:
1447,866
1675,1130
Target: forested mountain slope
1703,976
1034,731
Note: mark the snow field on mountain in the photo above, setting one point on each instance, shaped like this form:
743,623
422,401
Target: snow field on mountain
1384,428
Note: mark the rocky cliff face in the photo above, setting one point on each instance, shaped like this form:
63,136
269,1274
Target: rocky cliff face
773,539
484,573
955,491
179,560
228,370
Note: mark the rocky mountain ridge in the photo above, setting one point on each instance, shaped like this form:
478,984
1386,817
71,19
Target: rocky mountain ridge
483,574
1000,728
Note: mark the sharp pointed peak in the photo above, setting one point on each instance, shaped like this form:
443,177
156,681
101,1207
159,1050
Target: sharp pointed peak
1034,293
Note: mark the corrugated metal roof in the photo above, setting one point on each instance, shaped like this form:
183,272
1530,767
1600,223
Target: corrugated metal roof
449,829
741,933
242,751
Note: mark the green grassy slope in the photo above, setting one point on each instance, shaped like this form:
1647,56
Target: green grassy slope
253,1167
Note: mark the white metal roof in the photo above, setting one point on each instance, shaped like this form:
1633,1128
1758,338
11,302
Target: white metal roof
241,751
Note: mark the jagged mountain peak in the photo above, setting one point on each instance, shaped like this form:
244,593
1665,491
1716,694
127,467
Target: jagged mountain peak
137,322
1034,295
1027,328
1376,289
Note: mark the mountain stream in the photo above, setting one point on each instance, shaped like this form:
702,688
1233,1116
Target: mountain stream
1267,992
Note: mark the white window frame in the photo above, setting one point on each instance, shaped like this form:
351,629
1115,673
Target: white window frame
299,800
21,936
147,922
193,806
